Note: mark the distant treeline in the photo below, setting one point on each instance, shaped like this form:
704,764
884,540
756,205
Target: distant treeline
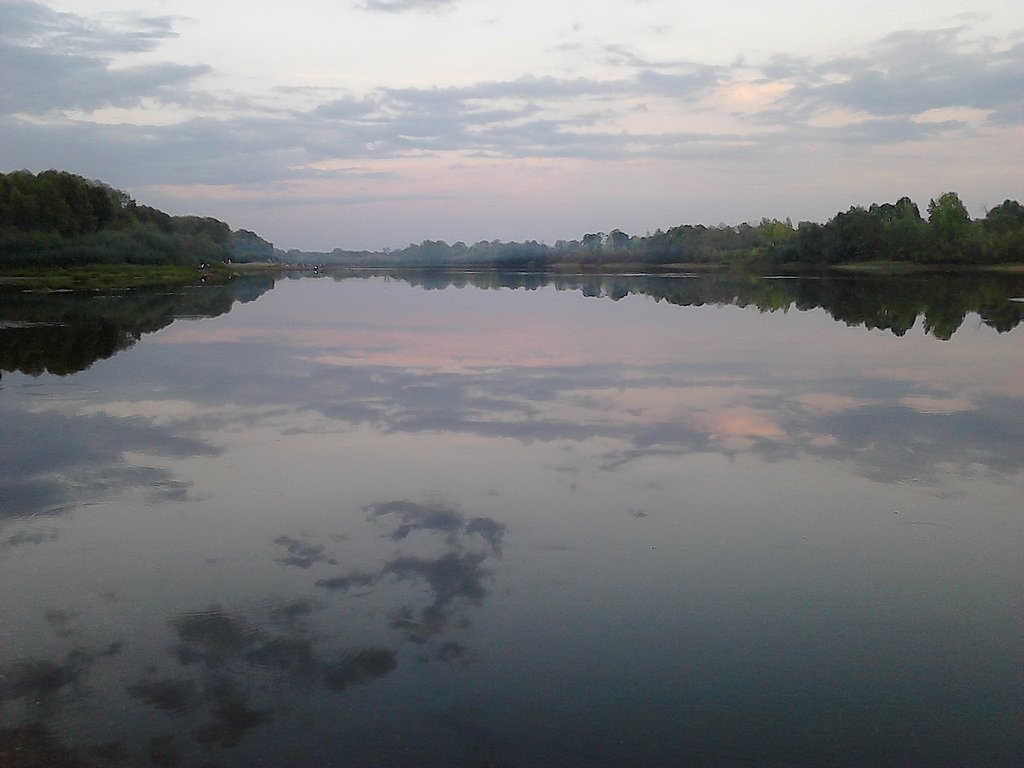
887,232
56,218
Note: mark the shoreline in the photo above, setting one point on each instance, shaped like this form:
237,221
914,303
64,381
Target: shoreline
129,276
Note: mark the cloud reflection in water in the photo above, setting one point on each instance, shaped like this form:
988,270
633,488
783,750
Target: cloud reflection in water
730,514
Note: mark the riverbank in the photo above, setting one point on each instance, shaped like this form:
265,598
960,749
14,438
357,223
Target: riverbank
114,277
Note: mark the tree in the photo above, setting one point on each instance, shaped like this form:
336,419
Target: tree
1003,230
950,225
592,240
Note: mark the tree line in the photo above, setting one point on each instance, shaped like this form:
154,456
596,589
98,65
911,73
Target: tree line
886,232
57,218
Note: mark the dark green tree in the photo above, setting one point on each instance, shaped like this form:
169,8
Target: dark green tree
950,225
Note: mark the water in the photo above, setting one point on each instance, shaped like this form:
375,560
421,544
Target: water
516,521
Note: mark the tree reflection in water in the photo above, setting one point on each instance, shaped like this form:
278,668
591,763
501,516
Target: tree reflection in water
679,534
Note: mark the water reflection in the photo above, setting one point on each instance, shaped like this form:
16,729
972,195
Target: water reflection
455,576
239,671
72,460
942,300
66,332
515,527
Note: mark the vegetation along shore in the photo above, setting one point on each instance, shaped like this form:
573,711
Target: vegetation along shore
60,230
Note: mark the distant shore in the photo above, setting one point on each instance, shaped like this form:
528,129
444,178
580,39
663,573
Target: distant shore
128,276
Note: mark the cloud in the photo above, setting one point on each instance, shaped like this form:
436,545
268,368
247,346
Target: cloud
44,81
61,61
873,98
33,24
77,95
681,84
903,75
402,6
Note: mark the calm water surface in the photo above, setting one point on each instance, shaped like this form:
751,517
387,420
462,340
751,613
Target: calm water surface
370,523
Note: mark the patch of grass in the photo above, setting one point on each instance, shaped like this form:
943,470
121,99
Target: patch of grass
112,276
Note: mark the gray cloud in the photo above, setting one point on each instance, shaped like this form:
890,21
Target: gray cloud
201,151
690,84
904,74
401,6
61,61
52,64
40,81
33,24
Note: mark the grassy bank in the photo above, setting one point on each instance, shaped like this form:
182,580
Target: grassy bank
114,277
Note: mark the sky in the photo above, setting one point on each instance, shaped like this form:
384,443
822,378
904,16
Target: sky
377,123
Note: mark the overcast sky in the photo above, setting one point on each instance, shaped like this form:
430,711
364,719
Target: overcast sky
373,123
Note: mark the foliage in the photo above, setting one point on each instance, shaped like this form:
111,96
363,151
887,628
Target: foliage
881,233
57,219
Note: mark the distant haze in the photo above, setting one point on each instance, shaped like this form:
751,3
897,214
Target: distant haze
376,123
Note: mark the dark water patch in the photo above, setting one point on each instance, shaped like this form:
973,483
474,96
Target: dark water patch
300,554
172,695
359,669
353,579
